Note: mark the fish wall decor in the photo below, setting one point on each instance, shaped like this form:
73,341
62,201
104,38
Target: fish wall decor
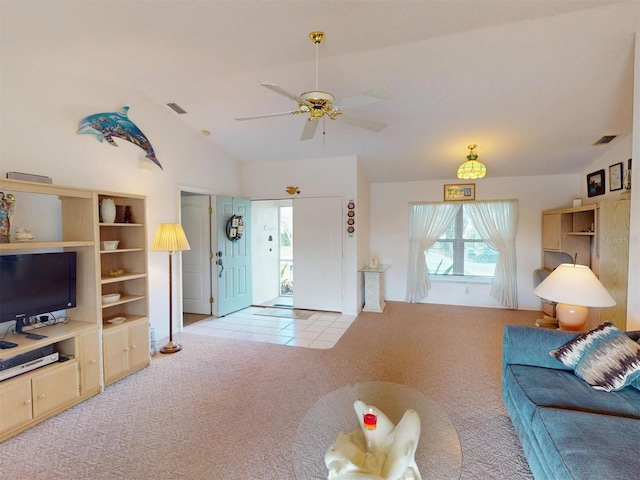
105,126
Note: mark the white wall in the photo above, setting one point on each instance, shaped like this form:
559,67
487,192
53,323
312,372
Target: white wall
314,178
618,151
633,302
363,229
389,231
41,110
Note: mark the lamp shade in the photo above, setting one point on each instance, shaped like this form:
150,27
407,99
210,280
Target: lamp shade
170,237
472,168
575,285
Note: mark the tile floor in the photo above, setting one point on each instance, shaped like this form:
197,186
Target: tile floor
322,330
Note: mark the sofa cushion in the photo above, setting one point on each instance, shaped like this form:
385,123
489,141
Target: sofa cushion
579,445
534,387
604,357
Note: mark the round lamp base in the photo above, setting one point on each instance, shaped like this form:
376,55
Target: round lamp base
571,317
171,348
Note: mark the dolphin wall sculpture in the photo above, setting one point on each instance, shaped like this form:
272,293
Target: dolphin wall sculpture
105,126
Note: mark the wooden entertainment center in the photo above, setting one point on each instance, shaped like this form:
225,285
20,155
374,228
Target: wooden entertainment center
97,352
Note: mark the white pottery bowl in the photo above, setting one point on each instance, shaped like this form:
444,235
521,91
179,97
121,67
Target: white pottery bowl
110,298
117,320
110,244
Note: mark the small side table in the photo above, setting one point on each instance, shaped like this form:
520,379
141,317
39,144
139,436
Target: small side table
374,288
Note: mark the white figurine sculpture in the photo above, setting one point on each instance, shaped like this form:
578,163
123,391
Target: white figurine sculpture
385,452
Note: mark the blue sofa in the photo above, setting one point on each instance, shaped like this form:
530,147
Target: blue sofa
568,429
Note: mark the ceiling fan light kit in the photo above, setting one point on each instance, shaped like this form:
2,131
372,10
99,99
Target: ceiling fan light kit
472,169
319,104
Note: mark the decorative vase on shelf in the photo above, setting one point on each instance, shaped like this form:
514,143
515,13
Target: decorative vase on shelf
108,210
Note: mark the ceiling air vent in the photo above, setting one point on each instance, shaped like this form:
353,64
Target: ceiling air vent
604,140
176,108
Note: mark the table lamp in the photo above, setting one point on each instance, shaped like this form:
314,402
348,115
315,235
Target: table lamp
170,238
574,287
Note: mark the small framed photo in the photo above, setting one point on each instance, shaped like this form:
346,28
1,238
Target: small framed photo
595,183
234,221
615,177
456,192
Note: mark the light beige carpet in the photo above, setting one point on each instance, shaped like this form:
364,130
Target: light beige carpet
230,409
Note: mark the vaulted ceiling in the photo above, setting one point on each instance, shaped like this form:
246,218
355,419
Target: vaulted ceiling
533,83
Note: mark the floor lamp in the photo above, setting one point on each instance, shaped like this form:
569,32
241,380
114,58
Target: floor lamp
170,238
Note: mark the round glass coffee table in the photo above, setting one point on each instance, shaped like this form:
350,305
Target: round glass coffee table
439,455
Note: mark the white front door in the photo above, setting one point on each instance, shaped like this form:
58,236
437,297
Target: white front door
317,253
197,263
233,257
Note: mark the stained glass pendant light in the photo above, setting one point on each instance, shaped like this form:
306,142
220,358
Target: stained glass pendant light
472,168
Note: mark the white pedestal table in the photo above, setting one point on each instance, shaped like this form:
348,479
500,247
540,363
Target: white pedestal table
374,288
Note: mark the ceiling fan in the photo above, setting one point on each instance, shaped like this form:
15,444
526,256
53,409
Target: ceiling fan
320,105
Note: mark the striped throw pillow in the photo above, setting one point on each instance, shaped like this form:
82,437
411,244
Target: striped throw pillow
606,358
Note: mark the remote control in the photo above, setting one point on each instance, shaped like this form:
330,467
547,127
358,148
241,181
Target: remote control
4,344
35,336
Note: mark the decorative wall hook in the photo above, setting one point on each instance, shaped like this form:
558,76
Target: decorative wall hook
291,190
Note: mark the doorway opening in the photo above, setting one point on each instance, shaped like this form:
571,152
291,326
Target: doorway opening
272,252
285,237
297,253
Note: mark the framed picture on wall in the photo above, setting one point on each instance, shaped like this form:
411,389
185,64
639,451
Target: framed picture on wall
595,183
455,192
615,177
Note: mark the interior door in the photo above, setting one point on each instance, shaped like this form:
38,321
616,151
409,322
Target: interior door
317,253
197,263
233,256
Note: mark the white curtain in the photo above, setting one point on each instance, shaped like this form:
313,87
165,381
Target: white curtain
496,223
427,223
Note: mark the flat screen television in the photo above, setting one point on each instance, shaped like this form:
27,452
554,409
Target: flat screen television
35,284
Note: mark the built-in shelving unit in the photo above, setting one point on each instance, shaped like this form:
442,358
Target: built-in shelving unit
126,344
96,352
568,231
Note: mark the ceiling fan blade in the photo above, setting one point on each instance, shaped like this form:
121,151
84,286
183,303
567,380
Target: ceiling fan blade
293,112
372,125
365,98
275,88
309,130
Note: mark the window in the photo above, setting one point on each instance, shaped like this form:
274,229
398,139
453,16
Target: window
461,251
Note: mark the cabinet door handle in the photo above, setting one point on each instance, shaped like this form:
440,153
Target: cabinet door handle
91,362
41,396
27,402
133,347
126,349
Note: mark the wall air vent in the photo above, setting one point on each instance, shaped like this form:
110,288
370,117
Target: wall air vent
604,140
176,108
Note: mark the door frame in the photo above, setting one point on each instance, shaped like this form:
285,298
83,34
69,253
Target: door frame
178,286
